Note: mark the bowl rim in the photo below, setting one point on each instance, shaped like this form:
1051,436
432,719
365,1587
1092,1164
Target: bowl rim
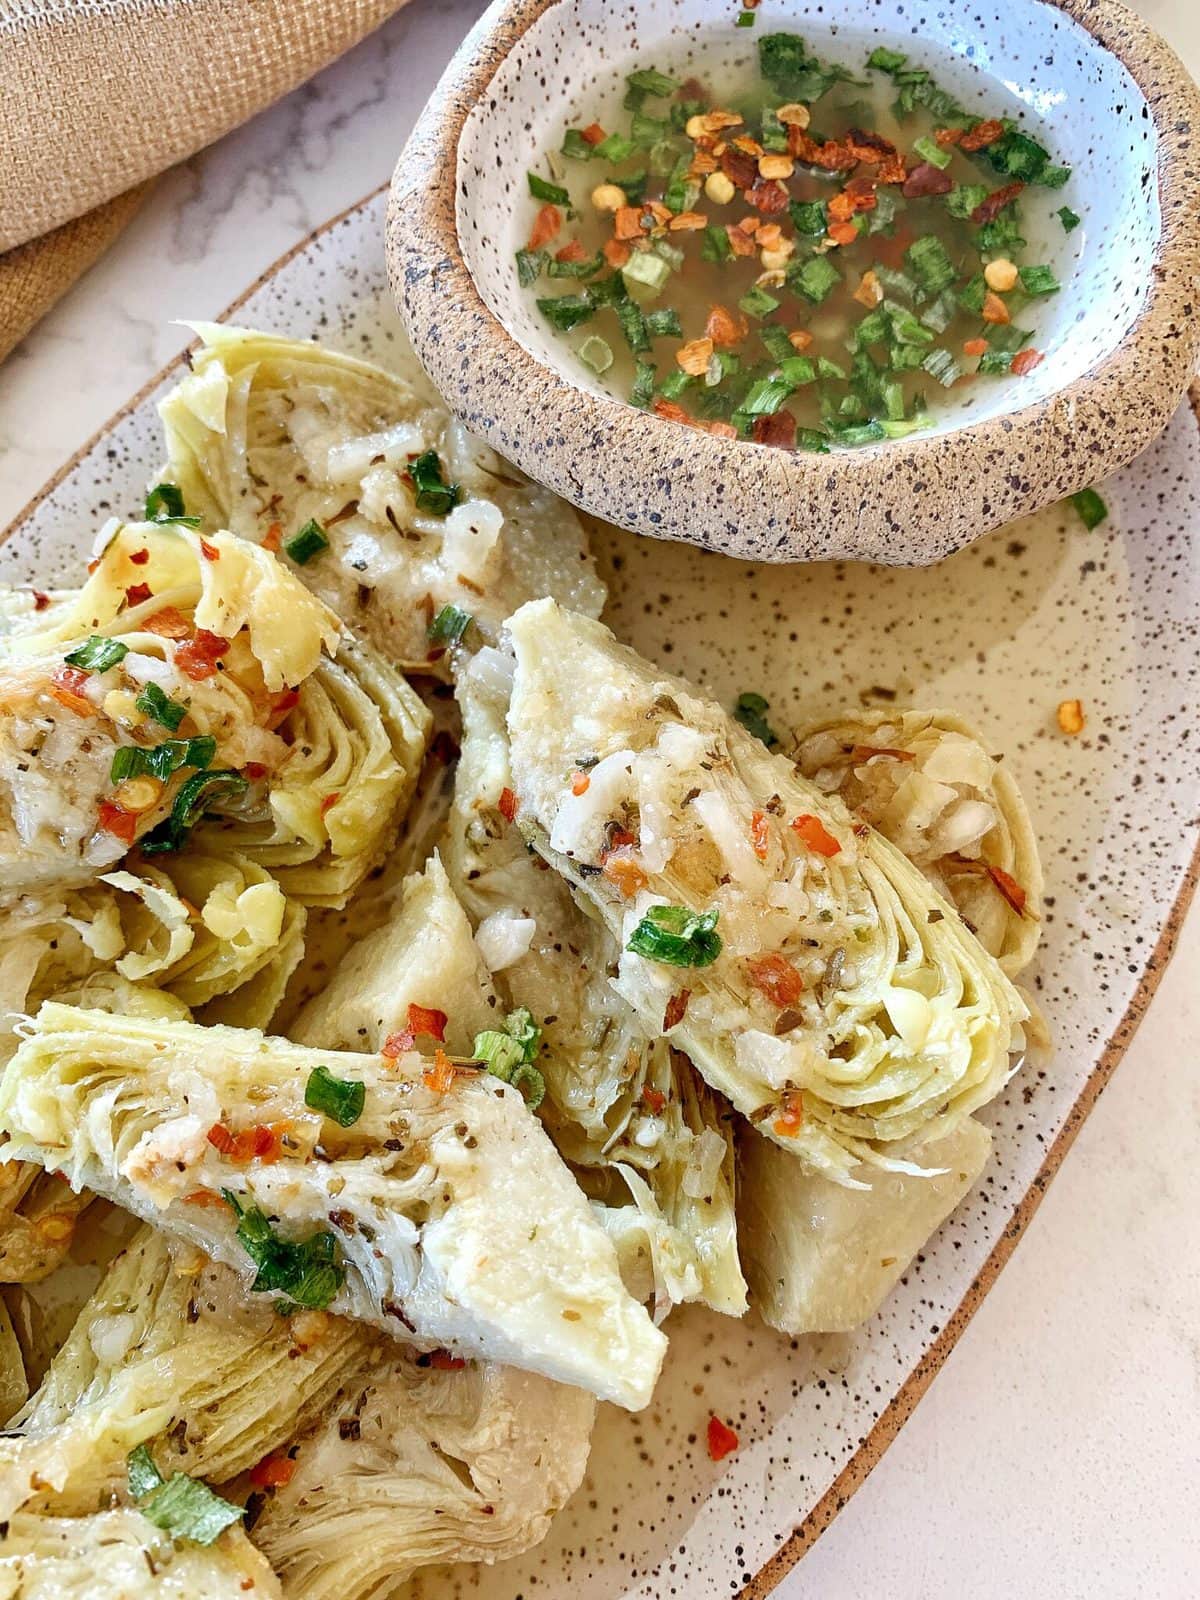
979,474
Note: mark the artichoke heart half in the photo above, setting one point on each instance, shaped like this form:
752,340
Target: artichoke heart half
831,993
457,1224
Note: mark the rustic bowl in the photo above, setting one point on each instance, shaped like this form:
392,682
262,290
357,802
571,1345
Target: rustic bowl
1121,340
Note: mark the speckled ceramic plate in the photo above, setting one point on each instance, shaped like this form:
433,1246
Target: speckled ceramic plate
1037,613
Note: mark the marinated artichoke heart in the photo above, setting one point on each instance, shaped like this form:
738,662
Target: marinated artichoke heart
267,433
146,631
174,1354
926,781
425,1465
457,1225
821,1257
833,995
648,1140
122,1553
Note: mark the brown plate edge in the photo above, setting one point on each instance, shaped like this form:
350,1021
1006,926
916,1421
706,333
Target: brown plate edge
904,1402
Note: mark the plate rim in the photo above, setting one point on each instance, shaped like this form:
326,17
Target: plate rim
906,1398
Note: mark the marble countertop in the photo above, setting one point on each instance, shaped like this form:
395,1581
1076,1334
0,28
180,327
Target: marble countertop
1057,1452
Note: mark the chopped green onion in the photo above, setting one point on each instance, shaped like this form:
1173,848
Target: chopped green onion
434,494
508,1055
860,433
829,369
993,362
722,364
633,325
677,937
154,703
201,789
185,1508
758,303
973,293
1069,219
596,353
647,268
886,60
97,654
144,1476
940,364
575,269
812,439
776,341
164,504
1038,281
306,544
161,760
809,216
715,245
965,198
642,390
940,313
530,266
665,158
745,19
1002,237
1018,156
529,1084
567,311
576,146
815,278
798,370
674,384
766,397
751,711
339,1099
1054,177
872,329
651,82
664,323
540,189
1007,336
929,264
615,148
1091,508
647,131
929,150
306,1270
449,625
499,1052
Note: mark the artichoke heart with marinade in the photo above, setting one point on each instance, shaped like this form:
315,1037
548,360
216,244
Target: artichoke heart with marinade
418,1195
389,508
833,995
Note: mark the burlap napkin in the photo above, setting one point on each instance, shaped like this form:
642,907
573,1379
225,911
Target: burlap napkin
97,96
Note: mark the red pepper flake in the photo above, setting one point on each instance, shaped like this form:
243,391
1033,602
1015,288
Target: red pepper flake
670,411
137,594
425,1019
209,551
116,820
1026,360
723,328
40,600
263,1142
624,873
545,227
580,782
594,133
443,1361
791,1115
983,133
507,805
926,179
676,1010
221,1139
273,1471
397,1044
1009,888
168,624
760,834
843,232
254,770
139,558
197,657
281,705
722,1441
273,537
653,1099
815,835
203,1197
328,803
440,1075
778,429
975,347
573,251
67,685
988,210
775,977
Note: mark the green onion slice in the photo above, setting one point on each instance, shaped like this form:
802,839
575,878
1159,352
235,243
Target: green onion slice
339,1099
184,1507
154,703
542,189
198,791
306,544
97,653
161,760
164,504
1091,508
751,711
306,1270
434,494
677,937
449,625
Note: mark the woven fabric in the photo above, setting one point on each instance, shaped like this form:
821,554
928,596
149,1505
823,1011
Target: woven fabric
97,96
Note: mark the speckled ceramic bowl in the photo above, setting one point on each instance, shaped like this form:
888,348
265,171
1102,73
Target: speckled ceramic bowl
1121,341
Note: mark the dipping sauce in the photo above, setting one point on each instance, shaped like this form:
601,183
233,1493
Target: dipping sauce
815,258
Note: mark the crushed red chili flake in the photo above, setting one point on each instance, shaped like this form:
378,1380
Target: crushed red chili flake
443,1361
653,1099
1009,889
116,820
760,834
676,1010
397,1044
168,624
775,977
440,1075
427,1020
204,1197
572,251
209,551
580,782
137,594
988,210
67,685
139,558
328,803
545,227
254,770
790,1119
262,1142
507,804
40,600
815,835
1025,361
273,1471
721,1439
273,537
197,657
